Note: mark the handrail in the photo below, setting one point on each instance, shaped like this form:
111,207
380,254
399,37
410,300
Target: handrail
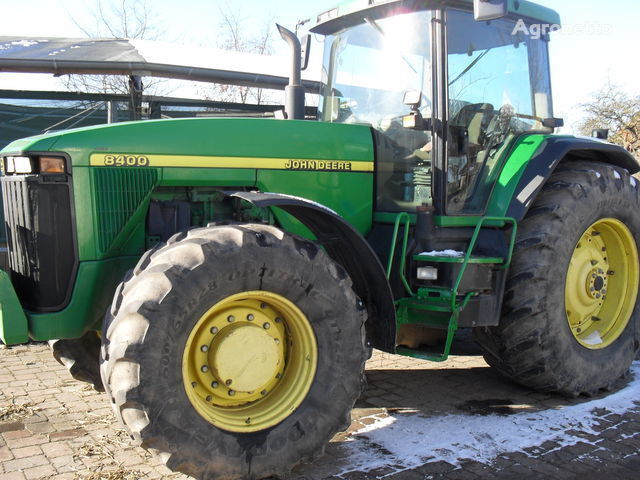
472,246
403,256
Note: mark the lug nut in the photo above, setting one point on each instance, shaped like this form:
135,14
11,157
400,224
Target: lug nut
204,348
278,320
250,317
263,305
263,392
247,421
266,325
209,398
230,318
594,262
232,393
228,382
194,384
214,330
611,272
204,368
214,384
279,375
277,340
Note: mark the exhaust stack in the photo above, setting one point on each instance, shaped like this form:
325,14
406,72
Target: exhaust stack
294,92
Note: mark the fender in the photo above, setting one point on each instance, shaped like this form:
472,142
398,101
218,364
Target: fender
561,149
347,247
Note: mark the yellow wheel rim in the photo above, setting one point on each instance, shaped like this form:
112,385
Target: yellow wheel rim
602,283
249,361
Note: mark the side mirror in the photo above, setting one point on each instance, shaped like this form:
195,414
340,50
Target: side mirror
484,10
305,51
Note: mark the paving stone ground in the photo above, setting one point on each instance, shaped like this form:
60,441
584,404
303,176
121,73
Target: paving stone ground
54,427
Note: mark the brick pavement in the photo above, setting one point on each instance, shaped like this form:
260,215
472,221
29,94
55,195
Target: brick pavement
56,428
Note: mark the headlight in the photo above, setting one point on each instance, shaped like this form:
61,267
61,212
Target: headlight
21,164
9,166
51,164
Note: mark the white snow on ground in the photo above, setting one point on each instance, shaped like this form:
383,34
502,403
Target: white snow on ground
408,440
443,253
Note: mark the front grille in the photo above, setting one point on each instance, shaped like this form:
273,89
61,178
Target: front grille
40,238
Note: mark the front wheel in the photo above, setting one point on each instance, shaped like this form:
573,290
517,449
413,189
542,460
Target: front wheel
235,351
570,319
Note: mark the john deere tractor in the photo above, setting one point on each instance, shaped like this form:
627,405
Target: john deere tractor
233,275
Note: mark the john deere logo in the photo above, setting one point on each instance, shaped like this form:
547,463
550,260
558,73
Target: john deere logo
317,165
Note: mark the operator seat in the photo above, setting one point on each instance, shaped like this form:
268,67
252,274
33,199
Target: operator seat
476,117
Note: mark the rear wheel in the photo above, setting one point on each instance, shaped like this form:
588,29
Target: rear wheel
570,315
235,351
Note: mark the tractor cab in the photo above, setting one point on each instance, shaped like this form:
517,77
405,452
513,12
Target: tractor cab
445,95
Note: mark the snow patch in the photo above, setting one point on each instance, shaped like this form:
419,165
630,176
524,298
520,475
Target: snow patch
617,175
442,253
634,182
593,339
407,440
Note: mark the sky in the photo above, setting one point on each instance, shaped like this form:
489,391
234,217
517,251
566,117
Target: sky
596,46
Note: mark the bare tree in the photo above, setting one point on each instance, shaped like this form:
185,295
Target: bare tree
116,19
234,37
614,109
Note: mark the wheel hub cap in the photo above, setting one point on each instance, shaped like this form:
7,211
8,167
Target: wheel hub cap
249,361
602,283
247,358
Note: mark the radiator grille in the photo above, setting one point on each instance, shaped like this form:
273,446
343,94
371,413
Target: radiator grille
40,239
119,192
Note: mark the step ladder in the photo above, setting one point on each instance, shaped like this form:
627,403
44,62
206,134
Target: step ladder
442,305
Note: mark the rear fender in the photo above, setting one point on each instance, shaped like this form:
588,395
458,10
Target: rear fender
556,150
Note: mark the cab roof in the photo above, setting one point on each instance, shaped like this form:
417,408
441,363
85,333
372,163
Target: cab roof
353,11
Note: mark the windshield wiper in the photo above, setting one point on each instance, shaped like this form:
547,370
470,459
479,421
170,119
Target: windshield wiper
470,66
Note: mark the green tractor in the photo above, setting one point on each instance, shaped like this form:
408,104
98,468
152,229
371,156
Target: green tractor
233,275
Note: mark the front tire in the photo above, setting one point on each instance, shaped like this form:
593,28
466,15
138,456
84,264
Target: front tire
235,351
570,315
81,356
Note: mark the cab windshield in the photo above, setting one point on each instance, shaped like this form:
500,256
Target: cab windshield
368,70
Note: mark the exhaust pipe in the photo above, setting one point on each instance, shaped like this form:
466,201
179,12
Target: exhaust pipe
294,92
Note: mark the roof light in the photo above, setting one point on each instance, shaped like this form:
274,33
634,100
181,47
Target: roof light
328,15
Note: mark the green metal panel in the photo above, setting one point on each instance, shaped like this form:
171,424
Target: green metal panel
13,322
92,295
524,150
349,194
40,143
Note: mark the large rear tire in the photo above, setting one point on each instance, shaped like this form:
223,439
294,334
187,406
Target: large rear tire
570,314
235,351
